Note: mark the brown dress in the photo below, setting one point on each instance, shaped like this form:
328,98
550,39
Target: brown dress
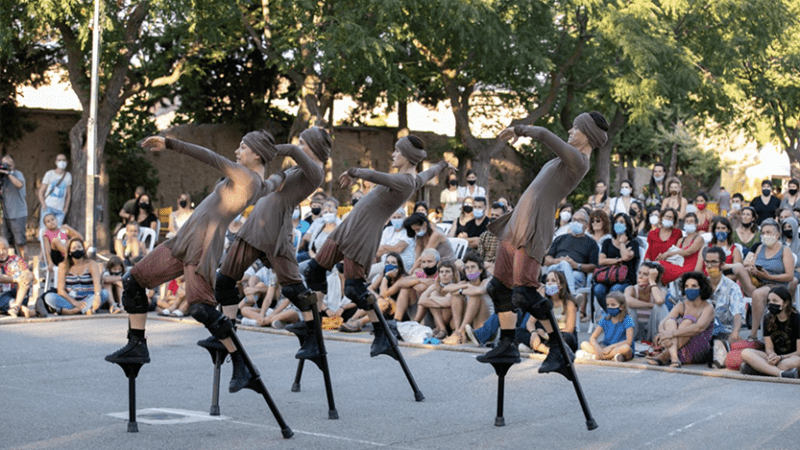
200,241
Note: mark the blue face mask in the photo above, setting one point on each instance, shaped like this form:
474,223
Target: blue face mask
388,268
620,228
613,312
295,214
421,233
691,294
575,227
478,213
721,235
397,223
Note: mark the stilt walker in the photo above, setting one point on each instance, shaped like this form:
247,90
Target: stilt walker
355,241
267,235
195,252
525,235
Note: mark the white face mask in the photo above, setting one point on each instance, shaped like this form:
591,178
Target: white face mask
769,240
295,214
328,217
690,228
659,179
625,192
565,216
736,206
61,164
654,220
666,223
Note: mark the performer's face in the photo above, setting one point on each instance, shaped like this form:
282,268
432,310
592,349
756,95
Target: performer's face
577,138
398,160
245,155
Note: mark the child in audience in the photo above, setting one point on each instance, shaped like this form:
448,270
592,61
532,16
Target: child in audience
617,328
112,282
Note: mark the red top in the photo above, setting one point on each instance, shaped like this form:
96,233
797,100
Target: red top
655,246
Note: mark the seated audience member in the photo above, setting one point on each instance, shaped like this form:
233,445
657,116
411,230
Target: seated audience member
506,204
646,301
393,270
617,328
130,248
621,203
394,239
790,239
727,297
599,227
439,302
173,302
476,226
427,236
674,200
747,233
621,250
704,215
459,228
575,254
637,217
686,332
780,357
55,240
652,222
597,201
421,207
660,239
319,231
16,282
284,313
656,189
315,208
722,237
178,217
766,204
487,242
682,257
563,220
470,297
112,283
144,213
565,311
79,284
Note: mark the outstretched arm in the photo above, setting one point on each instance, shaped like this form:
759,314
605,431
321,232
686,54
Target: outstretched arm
566,152
306,164
224,165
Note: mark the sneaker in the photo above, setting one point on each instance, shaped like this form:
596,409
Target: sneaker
523,348
581,354
278,324
241,376
619,358
505,351
791,373
747,370
165,312
471,335
135,351
248,322
555,362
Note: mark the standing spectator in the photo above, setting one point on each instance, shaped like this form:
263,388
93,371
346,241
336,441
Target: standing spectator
765,204
15,208
655,190
747,233
55,191
127,209
471,189
476,226
724,201
675,199
144,214
621,249
180,215
574,254
621,203
781,336
16,282
727,298
451,205
704,216
600,197
735,214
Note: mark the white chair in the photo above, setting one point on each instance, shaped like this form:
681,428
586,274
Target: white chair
444,227
146,235
460,246
49,276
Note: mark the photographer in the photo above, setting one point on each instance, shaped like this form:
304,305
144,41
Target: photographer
15,208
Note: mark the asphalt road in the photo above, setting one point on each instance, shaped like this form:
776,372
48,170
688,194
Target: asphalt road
56,391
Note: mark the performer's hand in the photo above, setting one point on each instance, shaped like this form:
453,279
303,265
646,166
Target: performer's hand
451,167
345,180
509,134
154,144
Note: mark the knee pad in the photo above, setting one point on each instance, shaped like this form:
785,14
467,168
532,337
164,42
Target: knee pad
316,276
134,296
356,290
529,300
300,296
225,290
219,325
500,295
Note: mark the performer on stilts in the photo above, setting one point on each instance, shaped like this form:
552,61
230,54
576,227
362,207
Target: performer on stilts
356,239
267,234
526,233
196,250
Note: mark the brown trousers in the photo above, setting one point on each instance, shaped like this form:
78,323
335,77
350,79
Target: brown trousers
242,255
514,267
159,266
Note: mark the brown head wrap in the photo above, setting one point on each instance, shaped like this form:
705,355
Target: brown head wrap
262,143
585,123
413,154
319,141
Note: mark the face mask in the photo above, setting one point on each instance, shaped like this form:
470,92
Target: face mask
472,182
736,206
295,214
183,203
63,165
721,236
389,267
77,254
453,182
328,217
565,216
769,241
316,210
654,220
473,276
467,208
620,228
659,179
792,192
429,271
774,309
713,272
355,200
766,192
690,228
691,294
666,223
625,192
144,204
613,312
397,223
478,213
691,209
701,206
421,233
551,289
576,228
787,234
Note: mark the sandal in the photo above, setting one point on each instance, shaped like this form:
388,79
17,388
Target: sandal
752,338
115,309
440,335
454,339
13,311
350,327
654,361
675,364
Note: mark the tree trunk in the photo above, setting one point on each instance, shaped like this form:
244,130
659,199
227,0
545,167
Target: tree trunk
673,161
603,161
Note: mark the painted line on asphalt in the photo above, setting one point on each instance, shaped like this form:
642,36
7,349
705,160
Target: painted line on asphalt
682,429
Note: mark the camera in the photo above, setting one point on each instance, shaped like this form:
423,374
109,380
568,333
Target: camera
5,169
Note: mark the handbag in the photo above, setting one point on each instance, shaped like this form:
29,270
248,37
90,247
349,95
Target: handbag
613,274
